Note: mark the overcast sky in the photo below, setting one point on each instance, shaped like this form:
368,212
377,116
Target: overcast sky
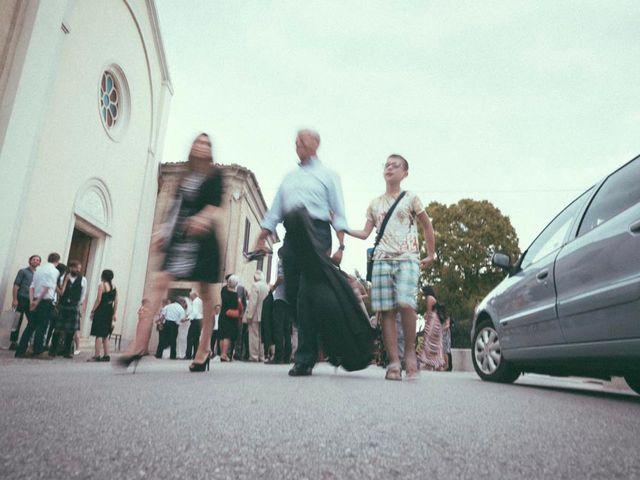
525,104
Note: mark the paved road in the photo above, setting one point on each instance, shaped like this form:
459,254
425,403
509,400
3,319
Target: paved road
69,419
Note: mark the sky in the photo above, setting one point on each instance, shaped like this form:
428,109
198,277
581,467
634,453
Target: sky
525,104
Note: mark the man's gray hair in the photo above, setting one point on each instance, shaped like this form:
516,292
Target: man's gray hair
312,133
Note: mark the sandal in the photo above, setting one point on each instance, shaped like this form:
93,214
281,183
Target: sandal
413,373
393,372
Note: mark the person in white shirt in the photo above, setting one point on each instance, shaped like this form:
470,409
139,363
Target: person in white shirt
171,316
183,328
72,295
193,336
41,296
257,293
214,335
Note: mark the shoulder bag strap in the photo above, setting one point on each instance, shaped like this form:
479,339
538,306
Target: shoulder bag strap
386,218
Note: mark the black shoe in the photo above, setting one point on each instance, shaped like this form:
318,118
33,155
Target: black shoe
124,361
300,370
68,356
199,367
105,358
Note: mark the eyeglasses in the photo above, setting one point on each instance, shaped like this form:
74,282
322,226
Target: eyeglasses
393,165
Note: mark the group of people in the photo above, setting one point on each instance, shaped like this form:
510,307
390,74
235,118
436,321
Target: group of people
191,250
253,324
52,296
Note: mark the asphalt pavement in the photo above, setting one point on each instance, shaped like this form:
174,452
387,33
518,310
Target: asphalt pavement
69,419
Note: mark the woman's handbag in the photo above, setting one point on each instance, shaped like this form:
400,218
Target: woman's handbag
370,251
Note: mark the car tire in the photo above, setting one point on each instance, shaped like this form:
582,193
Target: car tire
487,358
633,380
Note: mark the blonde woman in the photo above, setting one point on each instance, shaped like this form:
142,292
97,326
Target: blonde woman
189,243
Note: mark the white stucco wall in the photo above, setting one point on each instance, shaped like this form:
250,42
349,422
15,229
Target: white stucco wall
73,149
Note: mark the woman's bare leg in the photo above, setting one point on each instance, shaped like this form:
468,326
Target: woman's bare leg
224,347
145,326
208,307
96,348
105,345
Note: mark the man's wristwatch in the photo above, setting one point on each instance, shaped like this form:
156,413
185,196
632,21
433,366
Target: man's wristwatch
341,247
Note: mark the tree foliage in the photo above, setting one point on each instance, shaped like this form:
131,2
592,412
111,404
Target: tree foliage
467,234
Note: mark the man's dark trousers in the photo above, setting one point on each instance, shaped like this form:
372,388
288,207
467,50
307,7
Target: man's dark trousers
37,325
296,290
23,308
168,339
282,330
193,338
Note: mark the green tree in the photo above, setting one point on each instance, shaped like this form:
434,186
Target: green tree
467,234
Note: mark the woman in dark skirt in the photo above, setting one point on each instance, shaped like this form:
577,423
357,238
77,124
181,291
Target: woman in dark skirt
230,311
188,240
103,316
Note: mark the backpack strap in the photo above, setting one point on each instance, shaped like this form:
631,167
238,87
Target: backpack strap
383,225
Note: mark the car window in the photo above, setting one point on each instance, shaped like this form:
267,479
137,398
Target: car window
619,192
552,237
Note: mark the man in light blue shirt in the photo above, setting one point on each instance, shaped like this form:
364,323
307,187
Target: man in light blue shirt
316,188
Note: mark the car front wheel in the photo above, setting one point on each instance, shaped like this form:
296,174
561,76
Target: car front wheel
487,358
633,380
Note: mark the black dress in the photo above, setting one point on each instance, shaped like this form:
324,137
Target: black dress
228,326
189,257
103,315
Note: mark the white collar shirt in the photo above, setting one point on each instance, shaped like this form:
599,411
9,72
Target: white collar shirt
44,282
196,309
174,312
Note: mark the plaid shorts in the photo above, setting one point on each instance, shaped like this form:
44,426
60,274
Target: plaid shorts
394,284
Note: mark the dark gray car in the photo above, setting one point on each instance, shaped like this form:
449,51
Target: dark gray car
571,303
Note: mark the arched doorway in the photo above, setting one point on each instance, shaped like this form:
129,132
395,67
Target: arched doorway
89,237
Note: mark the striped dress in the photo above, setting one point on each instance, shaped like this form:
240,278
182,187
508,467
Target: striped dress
431,356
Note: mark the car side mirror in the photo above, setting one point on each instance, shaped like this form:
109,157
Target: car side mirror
503,261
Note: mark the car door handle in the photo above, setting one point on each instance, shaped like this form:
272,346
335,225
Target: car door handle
635,227
542,275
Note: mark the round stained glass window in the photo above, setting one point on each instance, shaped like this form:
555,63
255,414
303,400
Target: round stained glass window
109,100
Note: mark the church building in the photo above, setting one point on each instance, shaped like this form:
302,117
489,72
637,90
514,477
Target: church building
84,98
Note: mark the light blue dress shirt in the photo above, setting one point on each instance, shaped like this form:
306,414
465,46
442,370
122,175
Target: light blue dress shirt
314,187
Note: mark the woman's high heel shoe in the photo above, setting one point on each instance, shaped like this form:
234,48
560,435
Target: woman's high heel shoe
124,361
199,367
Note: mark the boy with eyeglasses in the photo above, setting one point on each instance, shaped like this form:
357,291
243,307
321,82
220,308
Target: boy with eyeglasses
397,264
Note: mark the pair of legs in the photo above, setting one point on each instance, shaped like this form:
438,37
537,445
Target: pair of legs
393,291
225,344
390,336
193,337
214,344
23,308
37,327
67,343
256,353
240,345
160,287
168,338
282,331
105,347
296,289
